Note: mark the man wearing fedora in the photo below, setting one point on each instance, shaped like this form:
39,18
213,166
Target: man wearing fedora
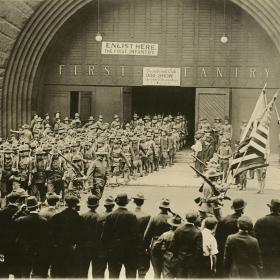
120,238
267,231
89,241
143,259
225,227
65,230
32,241
155,228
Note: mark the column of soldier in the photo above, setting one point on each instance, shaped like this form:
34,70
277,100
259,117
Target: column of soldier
68,157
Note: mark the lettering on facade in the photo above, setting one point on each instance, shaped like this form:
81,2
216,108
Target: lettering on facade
126,48
153,73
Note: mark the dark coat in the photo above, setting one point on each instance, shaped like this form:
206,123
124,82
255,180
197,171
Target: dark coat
187,248
7,232
32,234
267,231
120,233
156,227
242,258
90,237
66,228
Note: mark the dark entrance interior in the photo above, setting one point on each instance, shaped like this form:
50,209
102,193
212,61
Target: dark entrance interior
166,100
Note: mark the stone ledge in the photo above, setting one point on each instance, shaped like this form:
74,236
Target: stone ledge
8,29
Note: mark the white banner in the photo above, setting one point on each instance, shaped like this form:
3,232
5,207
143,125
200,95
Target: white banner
125,48
159,76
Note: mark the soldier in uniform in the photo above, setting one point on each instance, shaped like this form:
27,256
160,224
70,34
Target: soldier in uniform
217,126
55,171
224,153
157,152
22,169
171,147
6,172
99,172
116,122
38,181
227,129
129,155
164,148
261,175
150,152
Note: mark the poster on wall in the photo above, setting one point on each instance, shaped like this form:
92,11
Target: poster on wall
161,76
126,48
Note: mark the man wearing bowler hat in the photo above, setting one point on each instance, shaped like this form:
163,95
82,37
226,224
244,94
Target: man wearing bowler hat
156,227
90,240
66,235
225,227
120,238
267,231
143,259
32,241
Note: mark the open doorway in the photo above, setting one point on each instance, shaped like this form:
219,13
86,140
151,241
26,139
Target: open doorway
166,100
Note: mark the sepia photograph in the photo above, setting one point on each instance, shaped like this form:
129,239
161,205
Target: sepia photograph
139,139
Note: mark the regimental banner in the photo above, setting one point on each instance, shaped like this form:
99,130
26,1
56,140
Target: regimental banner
126,48
159,76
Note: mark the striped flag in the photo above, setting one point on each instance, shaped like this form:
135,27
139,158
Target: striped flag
253,151
259,108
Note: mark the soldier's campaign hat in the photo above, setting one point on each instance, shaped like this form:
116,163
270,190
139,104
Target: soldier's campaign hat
224,140
149,134
238,204
164,203
134,139
72,200
21,192
33,145
91,118
122,198
175,221
7,150
101,152
25,126
77,115
135,115
77,158
39,151
100,116
47,125
39,119
92,201
212,173
23,148
109,200
31,202
139,196
116,116
46,147
275,203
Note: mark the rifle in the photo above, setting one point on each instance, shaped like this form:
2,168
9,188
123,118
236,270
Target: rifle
198,160
74,167
215,191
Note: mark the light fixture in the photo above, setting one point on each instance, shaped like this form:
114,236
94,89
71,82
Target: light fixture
224,38
98,36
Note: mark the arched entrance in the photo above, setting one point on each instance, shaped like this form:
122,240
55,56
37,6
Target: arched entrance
34,39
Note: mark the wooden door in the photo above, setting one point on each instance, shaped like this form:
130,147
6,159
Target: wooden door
211,103
85,105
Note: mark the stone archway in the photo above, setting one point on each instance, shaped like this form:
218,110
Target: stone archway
25,54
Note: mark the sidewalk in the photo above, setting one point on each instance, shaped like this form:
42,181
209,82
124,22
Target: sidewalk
181,175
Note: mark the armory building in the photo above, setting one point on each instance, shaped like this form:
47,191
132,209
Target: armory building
155,56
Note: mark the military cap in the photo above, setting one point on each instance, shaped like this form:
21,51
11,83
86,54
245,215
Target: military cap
135,115
91,118
7,151
100,116
12,197
212,173
46,147
224,140
23,148
100,140
116,116
77,115
39,119
101,152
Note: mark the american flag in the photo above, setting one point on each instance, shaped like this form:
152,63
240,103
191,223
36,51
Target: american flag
253,151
